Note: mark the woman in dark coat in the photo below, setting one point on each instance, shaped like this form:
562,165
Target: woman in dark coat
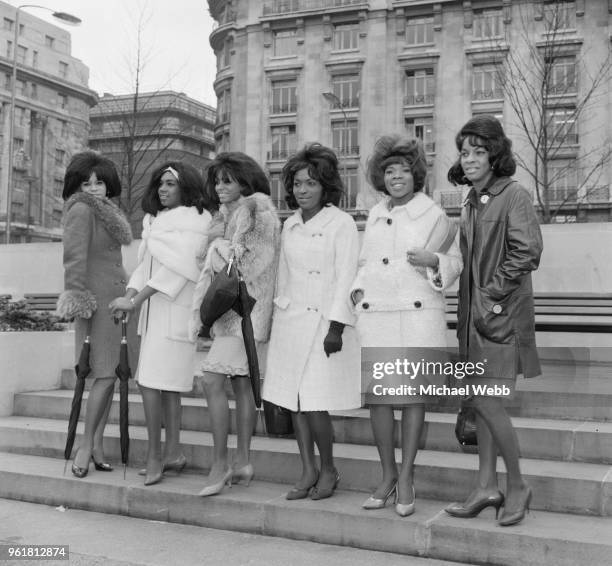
501,245
94,231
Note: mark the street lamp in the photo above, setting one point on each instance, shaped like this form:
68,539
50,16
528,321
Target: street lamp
334,100
64,17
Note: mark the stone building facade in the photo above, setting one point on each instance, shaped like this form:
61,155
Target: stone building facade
51,122
419,67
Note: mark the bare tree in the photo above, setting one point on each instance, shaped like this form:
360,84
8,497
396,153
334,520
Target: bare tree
552,88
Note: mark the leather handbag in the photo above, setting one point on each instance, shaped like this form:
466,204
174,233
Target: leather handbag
221,296
278,420
465,427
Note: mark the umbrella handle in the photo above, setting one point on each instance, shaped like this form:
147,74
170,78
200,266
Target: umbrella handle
124,328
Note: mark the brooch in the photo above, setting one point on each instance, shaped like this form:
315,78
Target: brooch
484,199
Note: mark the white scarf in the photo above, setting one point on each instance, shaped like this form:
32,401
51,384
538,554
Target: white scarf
173,238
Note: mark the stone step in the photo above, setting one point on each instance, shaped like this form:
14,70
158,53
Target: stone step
542,539
566,487
569,440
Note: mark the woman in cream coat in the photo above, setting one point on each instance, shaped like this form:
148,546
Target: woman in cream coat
174,229
313,358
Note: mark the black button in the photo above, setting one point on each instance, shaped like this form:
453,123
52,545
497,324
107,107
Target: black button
389,221
385,260
418,304
365,305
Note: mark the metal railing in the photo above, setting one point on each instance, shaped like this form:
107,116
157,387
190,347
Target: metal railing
345,151
419,99
451,199
345,103
286,108
271,7
280,153
490,94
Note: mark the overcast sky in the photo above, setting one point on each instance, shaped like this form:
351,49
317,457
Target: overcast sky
175,40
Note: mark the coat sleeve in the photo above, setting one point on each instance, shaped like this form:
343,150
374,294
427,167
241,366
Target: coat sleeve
77,300
523,246
346,254
281,299
357,284
258,254
449,268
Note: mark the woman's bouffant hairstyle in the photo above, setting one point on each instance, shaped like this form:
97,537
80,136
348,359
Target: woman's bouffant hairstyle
80,168
484,131
322,165
190,183
239,167
392,149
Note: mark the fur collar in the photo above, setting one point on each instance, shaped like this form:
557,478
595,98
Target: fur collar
107,212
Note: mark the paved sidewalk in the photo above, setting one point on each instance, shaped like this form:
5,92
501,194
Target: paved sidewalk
98,539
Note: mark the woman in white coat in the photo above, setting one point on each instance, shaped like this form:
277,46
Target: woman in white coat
174,229
313,361
409,256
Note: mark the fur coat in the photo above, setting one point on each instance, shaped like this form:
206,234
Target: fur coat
94,231
252,235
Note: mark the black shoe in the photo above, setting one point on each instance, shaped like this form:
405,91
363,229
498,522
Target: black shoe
101,466
79,472
473,510
325,492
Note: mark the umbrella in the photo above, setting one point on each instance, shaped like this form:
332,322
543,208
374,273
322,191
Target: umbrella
124,373
81,370
243,307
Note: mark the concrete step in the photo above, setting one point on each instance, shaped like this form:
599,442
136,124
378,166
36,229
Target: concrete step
542,539
566,487
569,440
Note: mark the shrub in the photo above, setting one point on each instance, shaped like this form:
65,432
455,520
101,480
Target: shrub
16,316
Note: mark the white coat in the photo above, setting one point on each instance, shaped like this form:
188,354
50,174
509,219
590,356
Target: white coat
318,262
402,306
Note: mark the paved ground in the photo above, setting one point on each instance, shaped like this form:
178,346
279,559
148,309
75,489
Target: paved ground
96,539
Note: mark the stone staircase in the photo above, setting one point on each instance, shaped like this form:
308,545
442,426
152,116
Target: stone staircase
564,423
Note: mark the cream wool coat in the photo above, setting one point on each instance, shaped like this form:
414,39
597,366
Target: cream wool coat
402,306
317,264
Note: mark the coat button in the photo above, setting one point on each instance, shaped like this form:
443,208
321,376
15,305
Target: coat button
385,260
365,306
389,221
497,309
418,304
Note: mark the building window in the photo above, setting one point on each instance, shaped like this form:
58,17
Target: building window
349,180
422,129
283,142
34,91
7,82
22,52
62,100
18,144
419,87
58,188
8,24
284,42
346,37
49,41
488,24
347,88
60,155
562,181
34,59
56,218
9,49
21,117
487,82
64,129
224,106
284,98
419,31
63,69
345,137
562,77
20,87
561,126
277,190
559,15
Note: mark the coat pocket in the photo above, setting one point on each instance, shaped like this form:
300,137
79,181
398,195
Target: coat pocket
492,318
178,323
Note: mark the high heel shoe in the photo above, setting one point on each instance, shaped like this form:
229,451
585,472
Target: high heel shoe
101,466
79,472
217,487
376,503
177,465
245,473
154,478
325,492
508,519
405,509
473,510
302,492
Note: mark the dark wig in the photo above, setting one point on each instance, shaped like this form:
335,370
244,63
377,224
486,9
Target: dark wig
80,168
484,131
190,183
322,165
392,149
239,167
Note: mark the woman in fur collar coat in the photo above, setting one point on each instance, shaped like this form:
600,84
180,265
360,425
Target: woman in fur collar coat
174,229
247,228
94,231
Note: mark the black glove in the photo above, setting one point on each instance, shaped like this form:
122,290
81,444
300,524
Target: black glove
333,340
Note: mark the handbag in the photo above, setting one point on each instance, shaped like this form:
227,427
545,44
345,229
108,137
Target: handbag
465,427
278,420
220,296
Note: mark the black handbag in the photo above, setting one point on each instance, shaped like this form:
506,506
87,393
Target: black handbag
220,297
465,427
278,420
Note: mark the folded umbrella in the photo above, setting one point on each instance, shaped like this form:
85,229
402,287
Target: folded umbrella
123,372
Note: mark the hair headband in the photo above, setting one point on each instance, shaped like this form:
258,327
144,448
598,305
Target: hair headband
173,171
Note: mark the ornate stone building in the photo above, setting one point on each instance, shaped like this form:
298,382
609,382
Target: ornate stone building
343,72
51,122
